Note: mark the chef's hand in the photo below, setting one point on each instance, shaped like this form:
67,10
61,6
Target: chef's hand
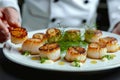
116,30
9,18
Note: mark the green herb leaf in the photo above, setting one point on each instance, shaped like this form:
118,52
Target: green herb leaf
109,57
76,63
42,60
64,45
26,53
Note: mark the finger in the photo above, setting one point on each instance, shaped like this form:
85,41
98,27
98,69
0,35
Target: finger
5,23
3,38
4,32
12,17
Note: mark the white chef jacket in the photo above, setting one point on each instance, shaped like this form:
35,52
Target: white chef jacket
39,14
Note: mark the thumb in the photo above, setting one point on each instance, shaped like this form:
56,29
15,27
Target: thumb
12,17
116,31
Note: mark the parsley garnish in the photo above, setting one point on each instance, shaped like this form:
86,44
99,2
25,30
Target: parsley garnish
26,53
109,57
42,60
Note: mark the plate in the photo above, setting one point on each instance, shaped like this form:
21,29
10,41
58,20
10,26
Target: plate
11,52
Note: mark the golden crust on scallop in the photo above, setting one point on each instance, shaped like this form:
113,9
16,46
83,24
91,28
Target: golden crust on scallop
75,53
50,50
53,35
40,36
32,45
111,43
18,35
108,39
52,32
96,50
93,35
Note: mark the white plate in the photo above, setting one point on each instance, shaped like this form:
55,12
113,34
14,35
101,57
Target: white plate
13,55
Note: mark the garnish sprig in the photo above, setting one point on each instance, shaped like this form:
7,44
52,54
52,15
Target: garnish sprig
26,53
76,63
86,26
42,60
108,57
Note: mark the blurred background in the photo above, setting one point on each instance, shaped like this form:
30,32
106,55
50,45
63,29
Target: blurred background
102,18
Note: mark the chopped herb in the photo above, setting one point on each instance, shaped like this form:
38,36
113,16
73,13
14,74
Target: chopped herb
109,57
26,53
64,45
55,38
76,63
42,60
72,36
89,33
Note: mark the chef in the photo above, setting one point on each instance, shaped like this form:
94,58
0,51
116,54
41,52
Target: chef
40,14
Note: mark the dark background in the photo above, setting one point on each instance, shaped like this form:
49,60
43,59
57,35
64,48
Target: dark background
102,18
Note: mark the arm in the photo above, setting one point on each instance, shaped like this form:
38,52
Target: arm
114,14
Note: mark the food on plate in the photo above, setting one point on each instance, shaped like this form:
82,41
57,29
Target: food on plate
32,45
72,35
49,46
96,50
53,34
111,43
18,35
40,36
92,35
76,63
108,57
50,51
76,53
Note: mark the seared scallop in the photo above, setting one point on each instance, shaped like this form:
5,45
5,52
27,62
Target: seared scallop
54,35
96,50
40,36
18,35
93,35
50,51
111,43
32,45
76,53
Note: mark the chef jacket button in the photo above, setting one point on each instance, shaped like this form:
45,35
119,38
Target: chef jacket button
56,0
86,1
53,19
83,21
